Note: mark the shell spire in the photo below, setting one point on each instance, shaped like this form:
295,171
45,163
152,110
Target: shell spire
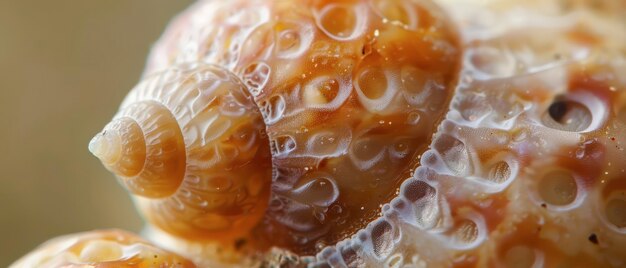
120,147
147,153
189,143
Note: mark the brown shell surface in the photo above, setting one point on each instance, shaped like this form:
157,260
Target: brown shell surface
101,249
351,93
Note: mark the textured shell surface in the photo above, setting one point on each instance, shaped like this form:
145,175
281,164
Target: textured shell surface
101,249
381,133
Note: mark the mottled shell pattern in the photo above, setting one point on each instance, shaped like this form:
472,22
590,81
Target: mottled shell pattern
381,133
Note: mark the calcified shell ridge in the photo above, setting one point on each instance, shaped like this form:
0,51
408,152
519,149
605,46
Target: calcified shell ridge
528,166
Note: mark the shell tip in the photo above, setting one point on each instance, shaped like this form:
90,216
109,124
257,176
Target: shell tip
106,146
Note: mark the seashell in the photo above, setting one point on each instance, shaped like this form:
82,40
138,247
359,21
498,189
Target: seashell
102,248
281,129
381,133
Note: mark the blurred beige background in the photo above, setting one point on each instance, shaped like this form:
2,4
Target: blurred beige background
65,66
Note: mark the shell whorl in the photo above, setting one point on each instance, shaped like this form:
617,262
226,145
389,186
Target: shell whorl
144,147
189,144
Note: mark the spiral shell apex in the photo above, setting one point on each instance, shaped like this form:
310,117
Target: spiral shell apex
189,143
